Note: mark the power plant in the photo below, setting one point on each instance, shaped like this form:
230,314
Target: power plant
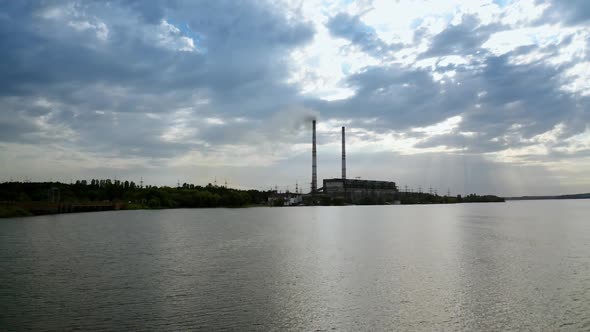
348,190
337,190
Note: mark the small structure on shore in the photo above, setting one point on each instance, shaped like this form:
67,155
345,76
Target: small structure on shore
285,199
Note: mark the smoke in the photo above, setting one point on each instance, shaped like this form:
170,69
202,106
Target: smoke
278,133
309,117
293,119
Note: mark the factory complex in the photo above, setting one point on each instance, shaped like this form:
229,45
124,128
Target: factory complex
339,190
359,191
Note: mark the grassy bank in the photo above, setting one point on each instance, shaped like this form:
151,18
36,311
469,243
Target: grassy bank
13,212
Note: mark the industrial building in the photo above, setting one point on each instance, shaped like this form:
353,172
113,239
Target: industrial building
357,191
349,190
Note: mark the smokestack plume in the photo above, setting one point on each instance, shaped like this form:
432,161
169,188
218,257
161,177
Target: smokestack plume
343,155
314,174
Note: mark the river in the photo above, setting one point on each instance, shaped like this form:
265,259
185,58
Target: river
479,267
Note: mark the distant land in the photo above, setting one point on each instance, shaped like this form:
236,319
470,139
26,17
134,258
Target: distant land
571,196
37,198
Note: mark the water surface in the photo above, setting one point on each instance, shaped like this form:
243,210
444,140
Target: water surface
513,266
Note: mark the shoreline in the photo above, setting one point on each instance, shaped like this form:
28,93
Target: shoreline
8,211
14,211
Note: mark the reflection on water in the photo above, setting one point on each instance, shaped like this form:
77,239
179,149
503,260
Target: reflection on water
513,266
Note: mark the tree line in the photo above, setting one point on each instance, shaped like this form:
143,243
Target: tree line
427,198
187,195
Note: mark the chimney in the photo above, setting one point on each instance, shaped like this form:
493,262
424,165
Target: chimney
314,174
343,155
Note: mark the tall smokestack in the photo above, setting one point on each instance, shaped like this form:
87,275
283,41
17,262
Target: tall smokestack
314,166
343,155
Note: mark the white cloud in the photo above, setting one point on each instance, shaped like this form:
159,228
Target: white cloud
53,13
444,127
100,29
397,20
215,121
522,13
579,76
542,36
170,37
319,69
71,15
178,128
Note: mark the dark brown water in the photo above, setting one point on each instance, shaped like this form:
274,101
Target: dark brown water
479,267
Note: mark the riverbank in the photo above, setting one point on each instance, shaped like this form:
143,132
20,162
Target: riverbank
82,196
16,211
13,212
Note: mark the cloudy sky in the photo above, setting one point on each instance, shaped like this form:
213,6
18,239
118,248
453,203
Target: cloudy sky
467,96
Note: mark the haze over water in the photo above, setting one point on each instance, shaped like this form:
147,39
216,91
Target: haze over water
513,266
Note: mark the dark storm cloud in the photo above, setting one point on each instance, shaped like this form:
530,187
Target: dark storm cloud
357,33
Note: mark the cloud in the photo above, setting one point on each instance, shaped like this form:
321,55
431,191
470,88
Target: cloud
503,103
464,39
147,66
359,34
568,11
180,83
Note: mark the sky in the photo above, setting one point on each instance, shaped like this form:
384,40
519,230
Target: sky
488,97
